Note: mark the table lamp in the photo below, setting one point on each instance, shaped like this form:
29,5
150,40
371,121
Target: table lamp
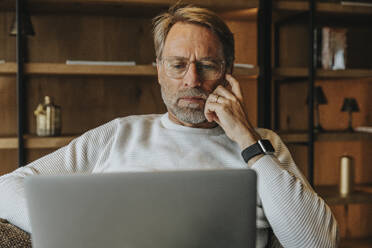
350,105
27,28
319,99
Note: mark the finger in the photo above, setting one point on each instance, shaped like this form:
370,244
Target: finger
210,111
235,87
218,99
212,98
222,91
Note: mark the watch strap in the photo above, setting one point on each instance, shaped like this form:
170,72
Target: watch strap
261,147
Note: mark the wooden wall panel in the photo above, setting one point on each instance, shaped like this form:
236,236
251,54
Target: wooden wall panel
8,161
293,45
354,220
245,35
249,90
327,161
299,155
8,106
7,42
293,108
106,38
331,116
88,102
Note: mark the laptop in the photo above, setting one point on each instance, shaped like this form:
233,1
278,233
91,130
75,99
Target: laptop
183,209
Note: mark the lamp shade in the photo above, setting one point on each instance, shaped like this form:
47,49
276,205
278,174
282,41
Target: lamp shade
27,28
319,96
350,105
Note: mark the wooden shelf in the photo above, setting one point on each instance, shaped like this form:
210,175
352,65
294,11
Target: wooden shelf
8,143
324,7
35,142
343,136
362,195
302,136
82,70
322,74
365,242
293,137
131,7
10,68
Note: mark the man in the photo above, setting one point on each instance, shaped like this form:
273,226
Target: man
205,127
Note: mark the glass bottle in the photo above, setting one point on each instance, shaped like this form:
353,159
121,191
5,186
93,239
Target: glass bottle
48,118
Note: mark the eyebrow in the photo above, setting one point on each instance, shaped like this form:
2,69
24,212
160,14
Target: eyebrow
202,59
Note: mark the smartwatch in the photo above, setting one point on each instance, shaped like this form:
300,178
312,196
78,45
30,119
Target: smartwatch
261,147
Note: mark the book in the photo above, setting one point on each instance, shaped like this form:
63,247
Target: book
364,3
333,48
363,129
240,65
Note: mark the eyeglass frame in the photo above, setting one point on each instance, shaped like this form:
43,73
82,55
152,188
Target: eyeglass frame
220,62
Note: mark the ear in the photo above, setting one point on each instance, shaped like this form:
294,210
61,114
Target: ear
158,68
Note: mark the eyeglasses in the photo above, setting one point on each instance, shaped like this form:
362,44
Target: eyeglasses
207,69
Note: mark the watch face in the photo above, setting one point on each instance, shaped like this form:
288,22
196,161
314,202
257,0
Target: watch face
266,146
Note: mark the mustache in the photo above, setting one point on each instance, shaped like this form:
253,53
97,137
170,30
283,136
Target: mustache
193,92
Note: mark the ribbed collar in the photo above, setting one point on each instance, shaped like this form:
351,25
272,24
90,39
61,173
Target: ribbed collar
167,123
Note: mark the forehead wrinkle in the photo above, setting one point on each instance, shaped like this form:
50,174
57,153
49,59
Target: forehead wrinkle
207,58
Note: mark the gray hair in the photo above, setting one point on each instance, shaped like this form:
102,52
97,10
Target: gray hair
193,15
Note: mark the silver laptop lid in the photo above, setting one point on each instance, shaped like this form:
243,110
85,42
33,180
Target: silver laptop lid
209,208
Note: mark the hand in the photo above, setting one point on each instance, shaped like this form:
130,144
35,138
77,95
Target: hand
225,107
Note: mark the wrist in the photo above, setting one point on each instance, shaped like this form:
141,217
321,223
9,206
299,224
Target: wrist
247,139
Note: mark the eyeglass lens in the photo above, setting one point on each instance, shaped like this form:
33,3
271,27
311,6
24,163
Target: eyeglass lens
206,69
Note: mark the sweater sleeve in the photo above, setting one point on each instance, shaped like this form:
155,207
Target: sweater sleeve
297,215
82,155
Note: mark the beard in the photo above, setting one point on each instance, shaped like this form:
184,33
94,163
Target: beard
193,113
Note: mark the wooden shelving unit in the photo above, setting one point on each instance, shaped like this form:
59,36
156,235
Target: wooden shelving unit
295,73
139,10
59,69
321,7
322,74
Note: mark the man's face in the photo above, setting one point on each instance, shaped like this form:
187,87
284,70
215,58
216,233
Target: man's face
185,95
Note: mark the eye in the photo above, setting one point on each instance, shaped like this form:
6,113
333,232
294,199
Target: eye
208,66
177,65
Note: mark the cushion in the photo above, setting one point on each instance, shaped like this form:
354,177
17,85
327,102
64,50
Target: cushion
12,236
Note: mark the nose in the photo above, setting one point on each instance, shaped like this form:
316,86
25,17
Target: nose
191,78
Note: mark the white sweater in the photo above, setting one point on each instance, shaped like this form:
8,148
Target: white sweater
287,204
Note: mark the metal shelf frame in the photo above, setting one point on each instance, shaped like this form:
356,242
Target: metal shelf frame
264,61
20,9
311,70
